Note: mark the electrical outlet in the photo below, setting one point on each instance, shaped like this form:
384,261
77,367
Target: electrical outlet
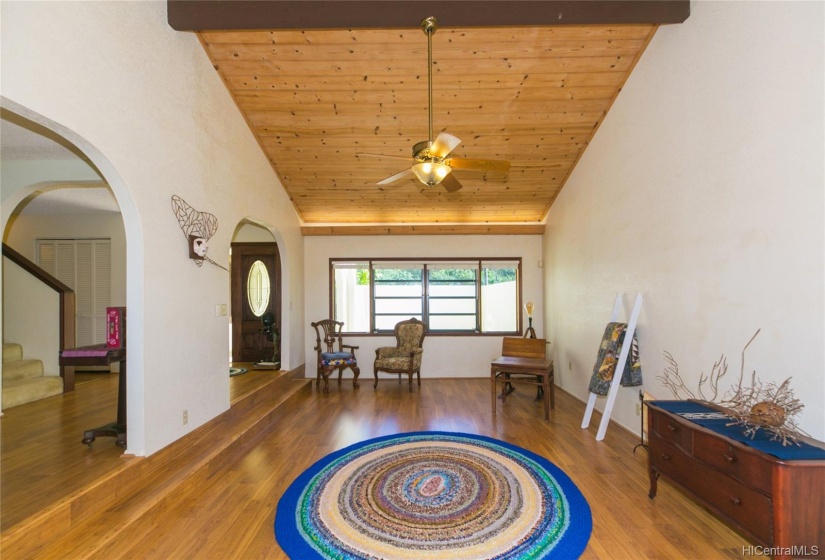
638,409
185,417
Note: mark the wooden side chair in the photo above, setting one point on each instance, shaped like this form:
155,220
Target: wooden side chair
330,358
405,356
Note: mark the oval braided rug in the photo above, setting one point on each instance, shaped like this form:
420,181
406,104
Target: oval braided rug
433,495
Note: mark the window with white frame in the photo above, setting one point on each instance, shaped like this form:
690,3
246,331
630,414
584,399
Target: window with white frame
453,296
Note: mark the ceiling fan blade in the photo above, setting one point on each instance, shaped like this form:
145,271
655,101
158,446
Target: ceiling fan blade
405,158
396,177
498,165
451,184
443,145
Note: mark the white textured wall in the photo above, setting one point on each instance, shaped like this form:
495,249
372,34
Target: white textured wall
27,228
704,190
444,356
145,105
24,298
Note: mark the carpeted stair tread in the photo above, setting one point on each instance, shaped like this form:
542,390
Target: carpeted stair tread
22,391
24,380
22,369
12,352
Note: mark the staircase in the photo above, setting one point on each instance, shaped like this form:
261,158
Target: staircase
24,380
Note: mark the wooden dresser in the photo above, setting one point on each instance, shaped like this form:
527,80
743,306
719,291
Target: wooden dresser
778,503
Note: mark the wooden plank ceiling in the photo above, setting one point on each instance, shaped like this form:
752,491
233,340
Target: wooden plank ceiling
534,96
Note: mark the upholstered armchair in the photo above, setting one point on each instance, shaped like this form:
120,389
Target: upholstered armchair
330,358
405,356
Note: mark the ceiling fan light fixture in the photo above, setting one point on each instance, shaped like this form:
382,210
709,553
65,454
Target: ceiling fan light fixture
430,172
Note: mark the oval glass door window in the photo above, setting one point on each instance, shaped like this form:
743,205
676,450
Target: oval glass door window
257,288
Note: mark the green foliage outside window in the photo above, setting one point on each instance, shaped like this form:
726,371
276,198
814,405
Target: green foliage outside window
395,274
459,275
497,275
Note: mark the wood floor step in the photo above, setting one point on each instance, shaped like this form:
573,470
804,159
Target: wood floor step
85,522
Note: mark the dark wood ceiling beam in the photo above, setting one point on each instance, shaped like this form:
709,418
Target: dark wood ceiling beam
221,15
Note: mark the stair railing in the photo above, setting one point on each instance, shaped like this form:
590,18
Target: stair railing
66,305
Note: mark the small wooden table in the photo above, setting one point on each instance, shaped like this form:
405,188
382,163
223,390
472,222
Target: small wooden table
99,355
523,361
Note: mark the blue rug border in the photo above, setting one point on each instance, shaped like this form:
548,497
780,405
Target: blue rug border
572,543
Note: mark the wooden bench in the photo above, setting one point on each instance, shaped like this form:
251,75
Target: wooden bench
523,360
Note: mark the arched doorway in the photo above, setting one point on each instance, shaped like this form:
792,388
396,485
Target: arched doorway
256,296
16,189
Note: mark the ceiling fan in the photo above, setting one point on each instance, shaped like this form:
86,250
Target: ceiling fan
431,161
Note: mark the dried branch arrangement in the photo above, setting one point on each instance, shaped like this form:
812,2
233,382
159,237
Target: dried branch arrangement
767,406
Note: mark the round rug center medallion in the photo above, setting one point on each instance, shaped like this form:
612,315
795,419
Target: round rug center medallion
432,485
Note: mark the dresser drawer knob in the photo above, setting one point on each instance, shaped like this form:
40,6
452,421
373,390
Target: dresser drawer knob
665,457
735,501
672,428
729,458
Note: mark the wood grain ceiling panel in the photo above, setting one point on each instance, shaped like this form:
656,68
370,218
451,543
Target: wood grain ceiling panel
316,99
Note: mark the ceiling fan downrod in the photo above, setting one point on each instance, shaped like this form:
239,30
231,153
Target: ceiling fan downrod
429,25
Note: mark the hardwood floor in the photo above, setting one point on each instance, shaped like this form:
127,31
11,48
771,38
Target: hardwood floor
228,511
41,457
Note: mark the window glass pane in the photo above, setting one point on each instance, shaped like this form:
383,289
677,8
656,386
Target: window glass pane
454,274
452,296
396,306
499,290
453,306
398,290
257,288
453,290
452,323
351,293
388,322
397,274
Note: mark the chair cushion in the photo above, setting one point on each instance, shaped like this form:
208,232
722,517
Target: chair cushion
337,359
392,352
392,363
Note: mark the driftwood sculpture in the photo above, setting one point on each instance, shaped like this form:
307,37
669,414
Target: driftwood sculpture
767,406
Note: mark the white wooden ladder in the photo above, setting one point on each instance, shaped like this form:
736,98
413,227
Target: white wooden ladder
617,374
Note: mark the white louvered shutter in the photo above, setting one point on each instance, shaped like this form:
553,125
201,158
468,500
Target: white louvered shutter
84,293
85,265
102,288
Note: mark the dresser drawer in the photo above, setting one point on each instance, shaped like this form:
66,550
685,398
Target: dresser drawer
749,468
672,431
670,461
745,506
742,505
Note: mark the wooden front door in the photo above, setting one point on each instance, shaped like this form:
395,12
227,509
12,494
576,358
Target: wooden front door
256,289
